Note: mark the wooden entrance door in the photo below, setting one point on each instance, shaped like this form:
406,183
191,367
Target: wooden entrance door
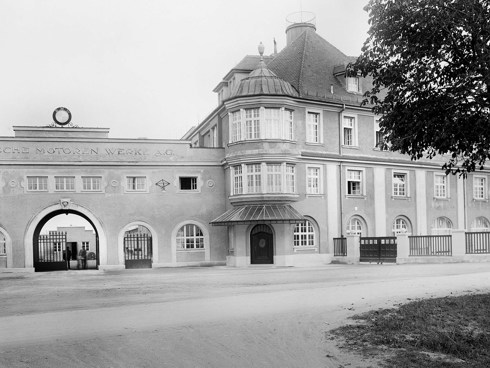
261,245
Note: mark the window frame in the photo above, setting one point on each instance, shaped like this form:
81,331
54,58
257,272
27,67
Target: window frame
394,193
39,188
310,189
438,186
193,183
128,189
349,84
183,239
362,181
308,231
483,188
91,189
275,178
353,128
396,229
310,125
441,230
361,222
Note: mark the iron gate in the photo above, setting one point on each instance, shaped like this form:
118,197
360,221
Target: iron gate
378,249
50,252
138,250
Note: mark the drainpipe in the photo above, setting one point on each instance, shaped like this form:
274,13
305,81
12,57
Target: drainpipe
341,173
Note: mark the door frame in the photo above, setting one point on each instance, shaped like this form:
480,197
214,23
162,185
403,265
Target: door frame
270,246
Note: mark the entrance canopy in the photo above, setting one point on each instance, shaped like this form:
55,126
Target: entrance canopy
264,213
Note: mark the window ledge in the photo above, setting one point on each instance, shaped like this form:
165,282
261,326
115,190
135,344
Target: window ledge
480,199
260,140
355,196
351,147
401,198
188,191
191,250
314,143
300,248
442,199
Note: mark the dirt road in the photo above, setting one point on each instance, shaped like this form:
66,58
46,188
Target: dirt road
205,317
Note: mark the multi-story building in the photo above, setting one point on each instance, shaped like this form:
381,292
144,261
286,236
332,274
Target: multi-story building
285,163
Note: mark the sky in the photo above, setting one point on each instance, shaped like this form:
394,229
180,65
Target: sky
143,68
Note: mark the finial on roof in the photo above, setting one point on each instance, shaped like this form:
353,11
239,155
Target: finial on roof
261,51
275,46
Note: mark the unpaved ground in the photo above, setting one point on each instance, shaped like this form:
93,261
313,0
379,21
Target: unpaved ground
206,317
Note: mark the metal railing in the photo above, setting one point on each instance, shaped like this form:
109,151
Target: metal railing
431,245
477,243
340,247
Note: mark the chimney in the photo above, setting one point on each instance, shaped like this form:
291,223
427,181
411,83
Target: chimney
298,23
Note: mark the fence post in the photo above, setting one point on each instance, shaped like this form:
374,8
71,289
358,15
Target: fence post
353,250
402,248
459,243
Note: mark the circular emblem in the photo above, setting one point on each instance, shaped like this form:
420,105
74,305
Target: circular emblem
62,116
210,183
262,243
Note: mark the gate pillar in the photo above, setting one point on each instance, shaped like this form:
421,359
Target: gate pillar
353,249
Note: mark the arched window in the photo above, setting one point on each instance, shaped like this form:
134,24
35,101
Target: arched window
356,226
401,225
190,236
480,224
442,226
304,235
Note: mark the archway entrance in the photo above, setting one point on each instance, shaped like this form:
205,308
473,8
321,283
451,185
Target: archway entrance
261,245
58,246
138,247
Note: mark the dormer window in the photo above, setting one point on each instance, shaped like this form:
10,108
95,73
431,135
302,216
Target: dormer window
353,84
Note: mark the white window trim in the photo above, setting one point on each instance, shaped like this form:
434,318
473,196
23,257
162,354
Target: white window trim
407,183
320,125
316,237
263,178
355,129
407,223
283,128
363,182
485,188
188,175
129,190
91,190
448,195
320,180
359,86
36,190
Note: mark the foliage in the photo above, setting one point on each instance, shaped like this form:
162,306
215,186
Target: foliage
430,64
442,332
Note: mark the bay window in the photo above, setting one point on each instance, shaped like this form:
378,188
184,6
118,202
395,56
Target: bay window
263,178
261,123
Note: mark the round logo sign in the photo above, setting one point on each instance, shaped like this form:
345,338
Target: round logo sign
62,116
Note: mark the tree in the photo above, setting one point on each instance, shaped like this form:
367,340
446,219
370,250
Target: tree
430,65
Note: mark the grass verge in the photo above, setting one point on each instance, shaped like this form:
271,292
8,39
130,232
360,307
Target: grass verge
445,332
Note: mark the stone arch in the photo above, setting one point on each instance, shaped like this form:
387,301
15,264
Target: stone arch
64,206
120,240
205,232
8,246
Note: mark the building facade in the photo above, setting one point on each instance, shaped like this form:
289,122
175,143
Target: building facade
285,163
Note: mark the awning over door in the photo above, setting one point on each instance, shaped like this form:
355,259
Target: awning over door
264,213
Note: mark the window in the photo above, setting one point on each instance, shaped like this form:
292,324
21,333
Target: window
440,186
355,227
254,176
304,235
272,123
3,244
274,178
86,245
37,183
237,180
261,123
313,127
378,137
136,183
252,124
263,178
480,224
400,184
289,124
401,226
91,183
290,179
479,187
354,182
349,131
64,183
236,126
353,84
188,183
442,226
313,184
190,236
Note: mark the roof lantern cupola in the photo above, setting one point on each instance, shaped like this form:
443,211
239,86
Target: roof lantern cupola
262,81
297,23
